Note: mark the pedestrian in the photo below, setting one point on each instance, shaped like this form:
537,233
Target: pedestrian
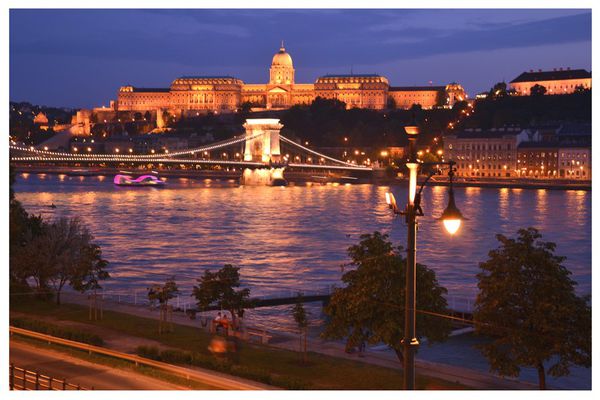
225,323
216,322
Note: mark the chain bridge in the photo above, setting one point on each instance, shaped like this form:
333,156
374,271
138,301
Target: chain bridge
261,147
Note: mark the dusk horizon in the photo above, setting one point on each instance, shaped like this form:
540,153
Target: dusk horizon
151,48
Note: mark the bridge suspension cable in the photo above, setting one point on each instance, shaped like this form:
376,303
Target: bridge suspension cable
281,137
136,157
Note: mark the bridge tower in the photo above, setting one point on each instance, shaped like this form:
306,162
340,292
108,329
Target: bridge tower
262,140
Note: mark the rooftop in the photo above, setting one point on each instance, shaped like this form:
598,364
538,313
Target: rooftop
351,76
416,88
138,89
207,77
555,75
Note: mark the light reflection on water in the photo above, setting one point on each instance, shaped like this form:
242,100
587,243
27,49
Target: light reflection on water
296,237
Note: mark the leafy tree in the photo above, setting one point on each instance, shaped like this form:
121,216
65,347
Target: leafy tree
416,108
538,90
23,228
162,295
56,254
300,317
370,308
499,90
89,278
528,305
391,103
220,288
441,98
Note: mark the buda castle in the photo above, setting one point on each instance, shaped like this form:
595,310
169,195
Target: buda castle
189,95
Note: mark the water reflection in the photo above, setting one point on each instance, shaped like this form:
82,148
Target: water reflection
297,238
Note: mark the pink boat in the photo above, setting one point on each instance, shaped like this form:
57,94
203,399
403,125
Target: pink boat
142,180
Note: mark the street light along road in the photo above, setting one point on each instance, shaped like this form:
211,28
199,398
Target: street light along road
451,218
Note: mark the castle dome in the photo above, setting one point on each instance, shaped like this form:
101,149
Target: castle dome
282,58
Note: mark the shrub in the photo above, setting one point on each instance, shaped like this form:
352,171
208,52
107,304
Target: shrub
58,331
180,357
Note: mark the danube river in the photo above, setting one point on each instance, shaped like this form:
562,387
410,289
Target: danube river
295,238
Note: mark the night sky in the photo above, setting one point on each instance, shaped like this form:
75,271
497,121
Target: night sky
79,58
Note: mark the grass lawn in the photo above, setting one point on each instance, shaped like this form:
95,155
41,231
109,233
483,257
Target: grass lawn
280,367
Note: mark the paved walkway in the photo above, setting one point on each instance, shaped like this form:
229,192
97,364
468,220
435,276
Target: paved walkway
285,340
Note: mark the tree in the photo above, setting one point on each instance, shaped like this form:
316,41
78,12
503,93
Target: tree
537,90
300,317
23,229
89,278
61,253
220,288
370,308
528,305
499,90
391,103
162,295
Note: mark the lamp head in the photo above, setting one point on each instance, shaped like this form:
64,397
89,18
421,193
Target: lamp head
452,217
412,130
391,201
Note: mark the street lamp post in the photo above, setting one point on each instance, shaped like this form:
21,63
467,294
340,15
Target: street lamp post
451,218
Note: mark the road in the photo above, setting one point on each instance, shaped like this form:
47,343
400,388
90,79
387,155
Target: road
60,365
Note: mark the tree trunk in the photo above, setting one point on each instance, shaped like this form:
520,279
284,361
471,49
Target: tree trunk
305,340
301,347
400,355
58,295
541,376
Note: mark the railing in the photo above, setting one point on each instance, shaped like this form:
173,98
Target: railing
184,302
24,379
214,380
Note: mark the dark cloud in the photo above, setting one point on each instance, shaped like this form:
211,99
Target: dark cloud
207,41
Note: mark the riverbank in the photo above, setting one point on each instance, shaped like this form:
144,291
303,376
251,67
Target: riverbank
383,365
322,177
273,364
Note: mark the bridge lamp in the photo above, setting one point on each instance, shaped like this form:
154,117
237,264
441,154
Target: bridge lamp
116,150
89,149
131,150
75,149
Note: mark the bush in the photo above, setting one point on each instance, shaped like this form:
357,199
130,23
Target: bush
58,331
202,360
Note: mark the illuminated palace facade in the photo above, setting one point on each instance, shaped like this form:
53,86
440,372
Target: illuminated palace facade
203,94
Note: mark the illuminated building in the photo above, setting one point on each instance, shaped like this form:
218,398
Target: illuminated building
575,162
40,119
561,81
538,159
196,95
480,153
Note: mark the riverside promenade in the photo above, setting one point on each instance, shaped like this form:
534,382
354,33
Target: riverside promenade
285,340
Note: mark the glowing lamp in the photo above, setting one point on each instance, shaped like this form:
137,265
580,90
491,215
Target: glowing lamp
391,201
452,217
411,130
